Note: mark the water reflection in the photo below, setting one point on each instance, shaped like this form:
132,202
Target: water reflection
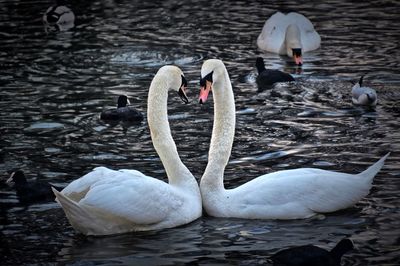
179,246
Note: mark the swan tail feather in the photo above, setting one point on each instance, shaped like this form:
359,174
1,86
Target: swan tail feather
371,171
74,212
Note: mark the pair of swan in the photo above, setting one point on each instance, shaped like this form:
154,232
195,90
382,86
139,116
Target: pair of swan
106,201
291,34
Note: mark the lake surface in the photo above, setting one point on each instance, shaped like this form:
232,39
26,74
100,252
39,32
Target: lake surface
55,84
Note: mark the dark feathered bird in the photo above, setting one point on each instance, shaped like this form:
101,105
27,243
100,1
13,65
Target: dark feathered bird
31,192
268,77
310,255
122,112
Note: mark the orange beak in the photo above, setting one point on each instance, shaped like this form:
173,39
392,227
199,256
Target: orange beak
204,91
298,59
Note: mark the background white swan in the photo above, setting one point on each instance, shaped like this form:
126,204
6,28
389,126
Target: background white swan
106,201
291,34
288,194
363,95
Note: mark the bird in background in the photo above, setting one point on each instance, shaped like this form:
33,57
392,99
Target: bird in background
361,95
310,255
268,77
29,192
123,112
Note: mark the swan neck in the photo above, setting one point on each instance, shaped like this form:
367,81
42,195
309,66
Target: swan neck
292,38
157,117
222,134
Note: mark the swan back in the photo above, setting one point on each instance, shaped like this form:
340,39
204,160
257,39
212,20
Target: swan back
292,39
273,37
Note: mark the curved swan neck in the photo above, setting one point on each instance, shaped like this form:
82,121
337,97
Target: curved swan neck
223,132
292,38
163,142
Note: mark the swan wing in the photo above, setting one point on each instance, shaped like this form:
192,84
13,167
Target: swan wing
78,188
302,192
139,200
134,173
272,36
310,39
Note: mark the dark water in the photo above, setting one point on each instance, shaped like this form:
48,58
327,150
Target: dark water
53,87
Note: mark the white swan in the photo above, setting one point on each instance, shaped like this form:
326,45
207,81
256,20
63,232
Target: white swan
288,194
107,202
363,95
291,34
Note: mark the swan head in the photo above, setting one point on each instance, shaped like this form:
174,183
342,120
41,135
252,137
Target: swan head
123,101
293,43
175,80
210,71
296,54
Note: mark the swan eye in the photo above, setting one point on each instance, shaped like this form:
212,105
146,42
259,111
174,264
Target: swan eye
296,51
208,77
182,94
202,82
184,82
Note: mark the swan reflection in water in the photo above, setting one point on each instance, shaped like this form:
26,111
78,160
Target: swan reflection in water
58,17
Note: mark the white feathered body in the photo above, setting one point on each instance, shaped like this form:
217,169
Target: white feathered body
288,194
363,95
291,194
273,35
106,200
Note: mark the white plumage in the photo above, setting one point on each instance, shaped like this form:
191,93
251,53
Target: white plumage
107,201
361,95
288,194
283,33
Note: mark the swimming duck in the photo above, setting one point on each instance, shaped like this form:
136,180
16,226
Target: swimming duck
30,192
122,112
310,255
268,77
